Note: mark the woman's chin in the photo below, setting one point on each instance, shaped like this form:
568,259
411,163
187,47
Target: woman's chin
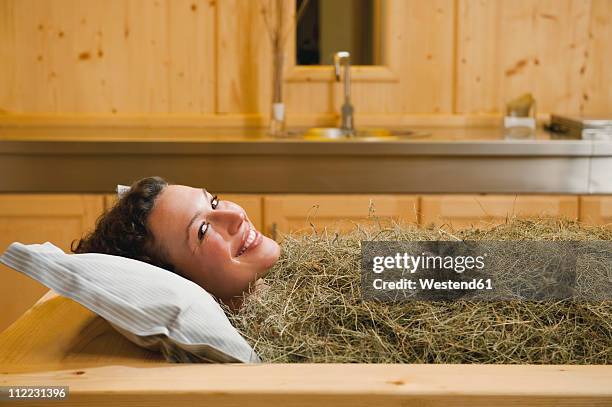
270,252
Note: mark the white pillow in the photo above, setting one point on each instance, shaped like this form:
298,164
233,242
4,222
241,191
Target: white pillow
152,307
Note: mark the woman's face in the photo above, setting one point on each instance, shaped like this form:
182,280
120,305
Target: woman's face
211,242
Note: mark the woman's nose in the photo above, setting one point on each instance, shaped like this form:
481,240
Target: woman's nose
229,220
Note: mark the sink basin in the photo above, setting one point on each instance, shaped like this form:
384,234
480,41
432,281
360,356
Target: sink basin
364,134
336,134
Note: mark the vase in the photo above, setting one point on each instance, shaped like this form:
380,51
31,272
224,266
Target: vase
277,111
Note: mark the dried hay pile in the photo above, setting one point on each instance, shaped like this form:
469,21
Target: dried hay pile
313,312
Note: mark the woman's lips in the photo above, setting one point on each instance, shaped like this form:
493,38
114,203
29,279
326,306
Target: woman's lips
255,240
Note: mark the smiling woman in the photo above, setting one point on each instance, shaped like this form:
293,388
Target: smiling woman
188,231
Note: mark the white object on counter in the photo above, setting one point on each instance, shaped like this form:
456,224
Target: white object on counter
512,121
278,111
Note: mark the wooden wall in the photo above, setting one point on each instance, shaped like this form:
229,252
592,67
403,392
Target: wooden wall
210,60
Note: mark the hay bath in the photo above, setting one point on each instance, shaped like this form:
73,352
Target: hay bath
313,311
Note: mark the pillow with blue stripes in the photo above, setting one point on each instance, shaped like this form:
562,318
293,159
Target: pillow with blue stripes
150,306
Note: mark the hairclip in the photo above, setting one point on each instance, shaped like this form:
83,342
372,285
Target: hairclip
122,190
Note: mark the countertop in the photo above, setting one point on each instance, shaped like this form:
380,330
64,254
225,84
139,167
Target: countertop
237,160
190,140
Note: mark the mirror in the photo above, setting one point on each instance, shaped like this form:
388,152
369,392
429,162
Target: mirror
326,27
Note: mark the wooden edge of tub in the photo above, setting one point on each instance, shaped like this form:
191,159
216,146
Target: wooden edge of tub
60,343
48,296
328,384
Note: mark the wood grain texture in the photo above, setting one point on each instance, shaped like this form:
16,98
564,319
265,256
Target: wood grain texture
243,58
108,57
597,95
210,62
58,331
33,218
556,49
59,342
328,385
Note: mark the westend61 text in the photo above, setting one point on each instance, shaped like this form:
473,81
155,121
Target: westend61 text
432,284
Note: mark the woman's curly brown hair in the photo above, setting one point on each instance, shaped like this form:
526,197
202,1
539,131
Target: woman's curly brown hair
123,230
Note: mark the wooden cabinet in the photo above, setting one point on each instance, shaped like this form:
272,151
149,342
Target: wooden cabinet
30,218
596,209
300,213
459,211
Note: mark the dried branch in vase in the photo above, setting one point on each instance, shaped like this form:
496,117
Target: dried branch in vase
274,16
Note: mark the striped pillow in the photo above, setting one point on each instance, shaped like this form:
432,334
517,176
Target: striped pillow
152,307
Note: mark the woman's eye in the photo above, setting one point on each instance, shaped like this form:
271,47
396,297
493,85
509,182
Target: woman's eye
202,230
214,202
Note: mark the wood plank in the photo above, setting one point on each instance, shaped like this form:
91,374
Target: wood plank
8,42
509,48
597,95
426,52
58,331
330,385
243,58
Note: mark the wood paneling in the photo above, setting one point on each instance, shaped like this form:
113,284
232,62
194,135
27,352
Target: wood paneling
29,219
597,96
243,58
426,51
211,59
112,57
556,49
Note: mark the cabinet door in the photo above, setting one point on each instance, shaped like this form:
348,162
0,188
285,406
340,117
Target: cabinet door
302,213
461,211
29,218
251,203
596,210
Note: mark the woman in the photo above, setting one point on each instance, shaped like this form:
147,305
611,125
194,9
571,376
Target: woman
188,231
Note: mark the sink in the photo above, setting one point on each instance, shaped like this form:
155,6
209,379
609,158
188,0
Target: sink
336,134
365,134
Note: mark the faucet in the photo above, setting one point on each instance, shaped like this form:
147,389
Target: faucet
347,108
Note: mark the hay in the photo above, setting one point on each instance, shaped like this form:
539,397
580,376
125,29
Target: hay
313,312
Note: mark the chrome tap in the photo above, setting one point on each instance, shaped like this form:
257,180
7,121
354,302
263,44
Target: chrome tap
347,108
